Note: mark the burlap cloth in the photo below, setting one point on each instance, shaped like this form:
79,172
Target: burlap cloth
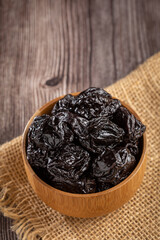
137,219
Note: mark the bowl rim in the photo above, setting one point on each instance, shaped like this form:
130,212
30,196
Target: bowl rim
88,195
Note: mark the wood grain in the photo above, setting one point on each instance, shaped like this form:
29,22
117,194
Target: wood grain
74,45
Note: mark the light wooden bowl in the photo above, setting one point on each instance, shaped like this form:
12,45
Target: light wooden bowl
84,205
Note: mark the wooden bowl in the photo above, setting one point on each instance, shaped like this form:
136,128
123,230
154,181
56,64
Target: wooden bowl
84,205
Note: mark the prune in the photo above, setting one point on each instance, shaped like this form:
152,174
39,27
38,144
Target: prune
70,162
111,108
133,148
39,127
79,125
60,123
91,102
37,157
83,185
113,166
125,163
133,127
40,140
104,132
104,165
63,104
88,144
98,134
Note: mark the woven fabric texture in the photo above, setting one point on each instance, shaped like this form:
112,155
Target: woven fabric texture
136,220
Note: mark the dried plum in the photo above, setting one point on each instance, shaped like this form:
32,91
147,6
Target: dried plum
104,165
83,185
70,162
88,144
37,157
133,127
113,166
60,123
104,132
63,104
79,125
98,134
125,163
133,148
91,102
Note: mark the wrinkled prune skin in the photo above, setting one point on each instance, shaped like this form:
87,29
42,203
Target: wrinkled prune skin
79,126
133,148
70,162
63,104
104,132
104,165
101,133
125,163
83,185
40,139
113,166
91,102
88,144
60,121
97,134
40,132
133,127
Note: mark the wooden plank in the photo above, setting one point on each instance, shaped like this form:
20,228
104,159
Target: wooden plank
5,229
49,48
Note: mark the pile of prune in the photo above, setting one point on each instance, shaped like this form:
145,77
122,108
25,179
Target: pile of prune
88,144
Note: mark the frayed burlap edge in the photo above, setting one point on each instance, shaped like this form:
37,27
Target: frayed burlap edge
12,205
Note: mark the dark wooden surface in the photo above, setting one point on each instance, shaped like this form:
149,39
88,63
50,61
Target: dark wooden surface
49,48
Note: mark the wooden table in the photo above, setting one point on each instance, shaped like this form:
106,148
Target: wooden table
49,48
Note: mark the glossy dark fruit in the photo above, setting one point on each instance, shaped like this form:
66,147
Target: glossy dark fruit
42,134
37,157
60,123
111,167
105,133
65,103
101,133
125,163
104,165
133,127
71,161
133,148
91,102
83,185
88,144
